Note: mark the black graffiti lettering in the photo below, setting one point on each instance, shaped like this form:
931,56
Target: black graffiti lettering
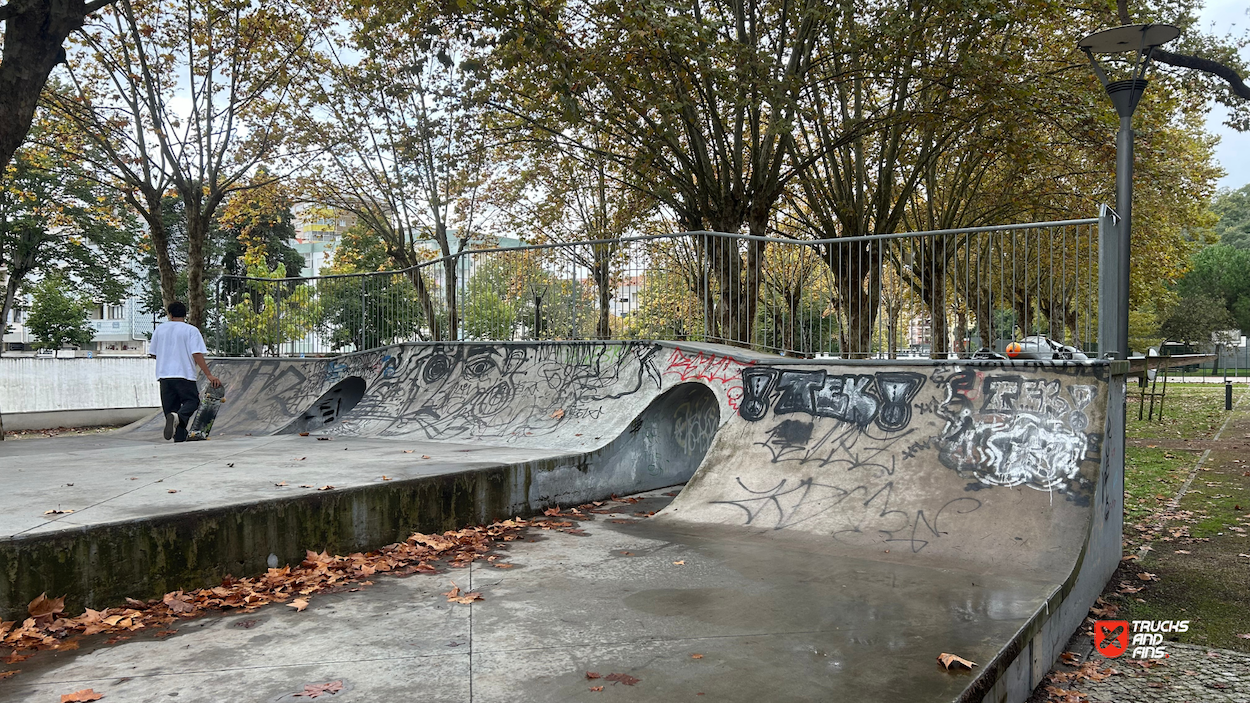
757,388
797,391
1000,394
897,390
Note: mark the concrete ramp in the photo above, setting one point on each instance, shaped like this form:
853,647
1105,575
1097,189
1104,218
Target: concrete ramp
875,513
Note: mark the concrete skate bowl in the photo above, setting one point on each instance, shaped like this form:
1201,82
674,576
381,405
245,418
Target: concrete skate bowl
994,478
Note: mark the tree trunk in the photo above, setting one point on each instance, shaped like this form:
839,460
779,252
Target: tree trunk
33,34
857,273
198,223
935,301
152,215
603,282
427,303
450,274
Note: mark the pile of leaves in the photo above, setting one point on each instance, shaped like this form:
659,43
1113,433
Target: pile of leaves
48,627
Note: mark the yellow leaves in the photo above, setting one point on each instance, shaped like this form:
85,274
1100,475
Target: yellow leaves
454,596
82,696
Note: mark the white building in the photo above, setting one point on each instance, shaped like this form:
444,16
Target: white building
120,330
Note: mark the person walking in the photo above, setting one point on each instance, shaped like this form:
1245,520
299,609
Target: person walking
179,348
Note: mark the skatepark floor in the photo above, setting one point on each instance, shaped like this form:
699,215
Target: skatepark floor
693,614
99,479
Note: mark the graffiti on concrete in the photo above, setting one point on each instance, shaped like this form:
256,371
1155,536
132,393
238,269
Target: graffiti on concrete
461,391
1011,430
712,369
864,512
883,398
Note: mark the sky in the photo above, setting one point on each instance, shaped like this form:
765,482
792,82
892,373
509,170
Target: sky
1233,151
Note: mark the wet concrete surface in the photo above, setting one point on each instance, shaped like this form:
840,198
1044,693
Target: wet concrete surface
726,614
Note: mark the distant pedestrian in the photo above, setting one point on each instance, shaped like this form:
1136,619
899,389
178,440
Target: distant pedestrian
179,348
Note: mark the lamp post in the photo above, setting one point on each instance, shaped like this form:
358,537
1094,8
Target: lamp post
1113,254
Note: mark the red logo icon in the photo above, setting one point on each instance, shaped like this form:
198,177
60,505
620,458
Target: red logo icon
1111,637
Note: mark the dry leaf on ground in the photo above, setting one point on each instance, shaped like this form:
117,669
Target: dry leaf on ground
593,675
326,488
320,689
42,606
949,660
6,674
299,604
596,688
696,656
58,511
84,695
622,678
558,414
680,563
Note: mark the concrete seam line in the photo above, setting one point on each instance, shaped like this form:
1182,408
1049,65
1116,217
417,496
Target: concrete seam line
1176,500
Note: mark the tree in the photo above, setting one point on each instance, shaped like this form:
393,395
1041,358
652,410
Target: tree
54,217
696,100
1195,318
1221,273
34,31
267,309
1232,207
361,312
406,155
58,318
192,94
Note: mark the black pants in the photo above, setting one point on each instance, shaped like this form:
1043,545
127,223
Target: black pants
182,396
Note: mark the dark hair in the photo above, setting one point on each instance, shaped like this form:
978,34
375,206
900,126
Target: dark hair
177,309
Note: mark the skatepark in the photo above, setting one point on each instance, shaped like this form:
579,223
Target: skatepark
811,529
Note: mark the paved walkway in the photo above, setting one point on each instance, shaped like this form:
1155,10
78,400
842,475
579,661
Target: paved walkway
1190,674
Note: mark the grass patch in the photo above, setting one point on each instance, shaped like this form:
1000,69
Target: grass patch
1151,477
1201,575
1191,411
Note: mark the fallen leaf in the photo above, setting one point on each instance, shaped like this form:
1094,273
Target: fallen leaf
58,511
172,490
593,675
326,488
949,660
299,604
408,451
501,565
680,563
303,434
43,605
84,695
14,658
386,478
1146,576
6,674
305,485
558,414
1181,551
596,688
301,458
622,678
1068,657
176,602
323,439
230,465
321,689
696,656
425,456
280,483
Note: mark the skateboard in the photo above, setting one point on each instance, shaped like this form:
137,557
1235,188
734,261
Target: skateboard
202,423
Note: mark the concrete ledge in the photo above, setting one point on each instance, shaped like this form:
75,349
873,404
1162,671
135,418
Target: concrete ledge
49,419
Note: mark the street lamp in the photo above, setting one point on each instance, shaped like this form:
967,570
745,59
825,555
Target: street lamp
1125,94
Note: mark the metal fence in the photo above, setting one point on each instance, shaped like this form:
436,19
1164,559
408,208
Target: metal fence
940,293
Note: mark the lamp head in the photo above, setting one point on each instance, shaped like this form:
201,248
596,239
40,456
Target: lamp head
1140,38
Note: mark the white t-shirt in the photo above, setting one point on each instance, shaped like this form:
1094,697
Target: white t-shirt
172,344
